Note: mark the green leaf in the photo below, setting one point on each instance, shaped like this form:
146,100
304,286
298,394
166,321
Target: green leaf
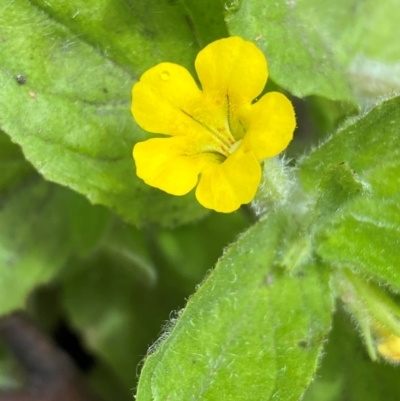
127,248
347,373
315,47
85,223
13,167
369,146
337,186
363,233
361,36
205,18
99,299
71,112
193,249
42,224
364,236
252,331
115,313
300,59
37,236
33,244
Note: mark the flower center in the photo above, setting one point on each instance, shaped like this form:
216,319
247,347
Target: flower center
216,119
235,146
219,138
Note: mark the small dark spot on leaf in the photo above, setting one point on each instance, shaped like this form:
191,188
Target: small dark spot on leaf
300,273
303,344
21,79
105,90
194,361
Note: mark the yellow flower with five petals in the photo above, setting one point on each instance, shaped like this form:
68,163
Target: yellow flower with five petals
217,135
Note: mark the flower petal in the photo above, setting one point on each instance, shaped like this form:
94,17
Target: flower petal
169,164
232,67
226,186
160,97
269,125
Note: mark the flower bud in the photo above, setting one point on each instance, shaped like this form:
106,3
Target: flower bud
377,315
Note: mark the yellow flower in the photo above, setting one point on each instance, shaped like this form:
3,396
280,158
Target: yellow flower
217,133
389,348
387,343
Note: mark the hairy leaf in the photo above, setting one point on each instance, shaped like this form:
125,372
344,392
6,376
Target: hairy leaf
369,146
42,224
252,331
315,47
66,73
300,60
363,234
347,373
361,36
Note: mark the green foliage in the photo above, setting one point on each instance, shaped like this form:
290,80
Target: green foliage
374,248
248,309
370,147
319,47
347,373
109,320
299,59
32,251
253,327
360,35
336,187
12,164
72,115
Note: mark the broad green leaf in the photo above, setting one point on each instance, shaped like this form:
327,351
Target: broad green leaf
84,222
252,331
33,243
127,247
205,17
337,186
115,313
300,59
119,302
315,47
13,167
42,224
369,146
364,235
361,36
99,300
37,236
347,373
71,111
193,249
